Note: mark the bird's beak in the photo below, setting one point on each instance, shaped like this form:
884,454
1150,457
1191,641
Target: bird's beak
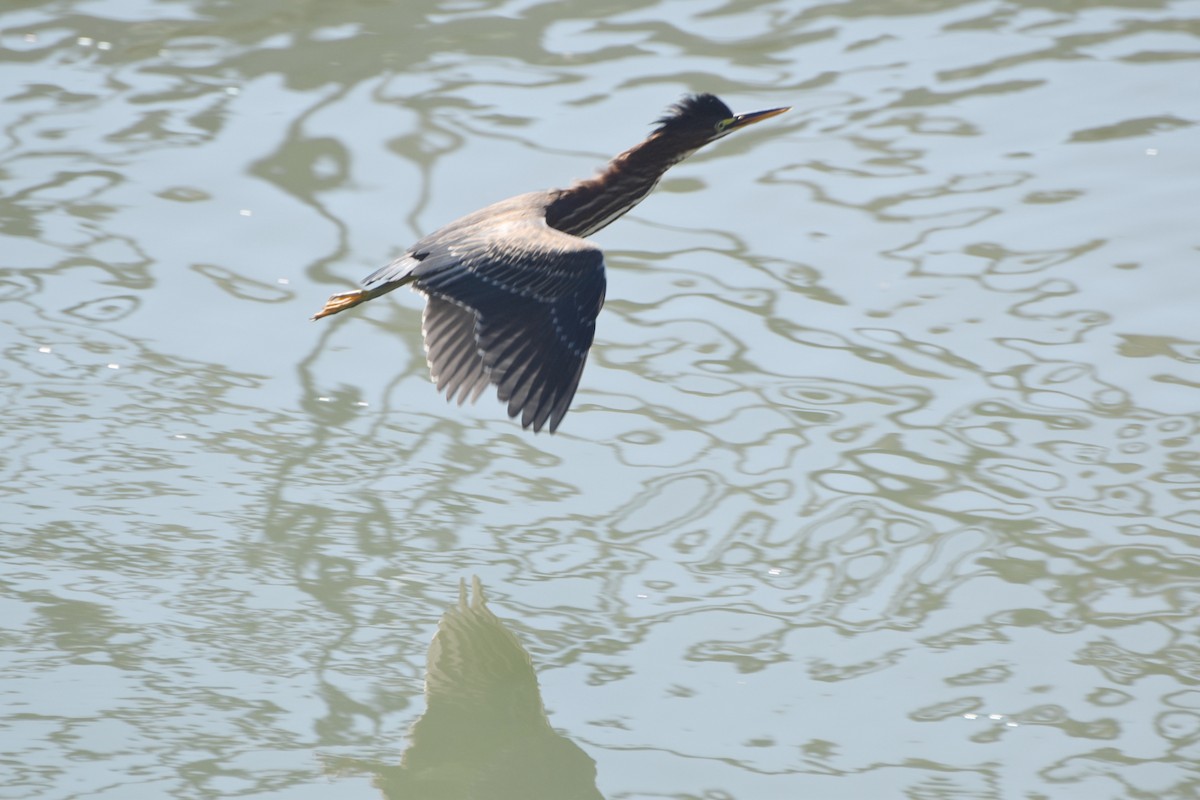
742,120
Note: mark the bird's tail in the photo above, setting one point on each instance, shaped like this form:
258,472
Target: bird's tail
344,300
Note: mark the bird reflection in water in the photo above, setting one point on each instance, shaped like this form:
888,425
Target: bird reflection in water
484,733
513,290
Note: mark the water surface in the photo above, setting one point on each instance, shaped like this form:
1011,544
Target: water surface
882,479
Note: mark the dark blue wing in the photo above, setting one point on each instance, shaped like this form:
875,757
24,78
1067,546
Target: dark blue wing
512,303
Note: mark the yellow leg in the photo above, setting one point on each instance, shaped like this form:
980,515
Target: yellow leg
342,301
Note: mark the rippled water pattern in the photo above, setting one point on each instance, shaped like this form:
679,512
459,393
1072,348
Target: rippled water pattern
883,479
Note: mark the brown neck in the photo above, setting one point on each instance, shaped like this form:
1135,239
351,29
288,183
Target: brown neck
592,204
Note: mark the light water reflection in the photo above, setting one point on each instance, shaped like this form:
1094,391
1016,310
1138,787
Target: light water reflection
484,732
881,481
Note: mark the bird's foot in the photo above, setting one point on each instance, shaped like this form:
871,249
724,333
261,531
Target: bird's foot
342,301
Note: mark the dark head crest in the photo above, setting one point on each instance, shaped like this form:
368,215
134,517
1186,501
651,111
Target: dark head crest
701,111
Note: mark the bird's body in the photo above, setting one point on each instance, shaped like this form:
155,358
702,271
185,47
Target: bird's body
513,290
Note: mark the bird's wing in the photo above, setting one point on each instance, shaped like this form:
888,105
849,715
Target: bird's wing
454,360
514,303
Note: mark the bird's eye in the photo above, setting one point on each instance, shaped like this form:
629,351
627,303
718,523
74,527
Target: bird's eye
723,124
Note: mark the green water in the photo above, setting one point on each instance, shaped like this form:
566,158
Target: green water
882,479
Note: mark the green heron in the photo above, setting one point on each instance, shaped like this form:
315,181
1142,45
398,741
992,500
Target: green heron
513,290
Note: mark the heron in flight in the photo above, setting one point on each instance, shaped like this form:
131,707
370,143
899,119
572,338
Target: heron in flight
513,290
